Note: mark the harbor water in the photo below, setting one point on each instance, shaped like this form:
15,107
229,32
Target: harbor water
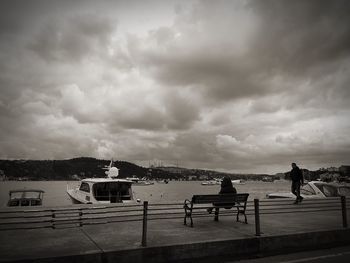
174,191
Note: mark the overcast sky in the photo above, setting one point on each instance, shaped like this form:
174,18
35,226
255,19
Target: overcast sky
239,86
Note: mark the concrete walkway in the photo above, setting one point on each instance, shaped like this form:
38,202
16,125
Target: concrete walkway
170,240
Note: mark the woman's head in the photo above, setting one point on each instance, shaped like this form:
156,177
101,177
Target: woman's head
226,181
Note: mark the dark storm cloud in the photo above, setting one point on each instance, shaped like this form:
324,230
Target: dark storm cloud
177,113
73,38
290,39
213,73
299,35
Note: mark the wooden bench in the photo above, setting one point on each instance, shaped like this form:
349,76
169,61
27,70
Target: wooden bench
218,201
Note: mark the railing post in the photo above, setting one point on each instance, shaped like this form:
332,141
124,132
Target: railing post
144,225
53,219
80,217
257,217
343,211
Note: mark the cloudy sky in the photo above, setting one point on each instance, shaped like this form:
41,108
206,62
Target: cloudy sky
240,86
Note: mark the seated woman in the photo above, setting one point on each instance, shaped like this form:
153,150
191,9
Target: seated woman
226,188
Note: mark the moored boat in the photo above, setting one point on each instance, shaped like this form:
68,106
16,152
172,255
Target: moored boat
238,181
137,181
102,190
25,197
212,182
314,190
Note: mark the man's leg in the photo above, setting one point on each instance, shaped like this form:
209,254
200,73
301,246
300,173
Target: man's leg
294,191
216,218
299,197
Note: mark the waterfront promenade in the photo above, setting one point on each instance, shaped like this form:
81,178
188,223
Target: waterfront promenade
170,240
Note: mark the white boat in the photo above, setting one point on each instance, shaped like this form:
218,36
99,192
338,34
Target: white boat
26,197
102,190
316,189
238,181
137,181
212,182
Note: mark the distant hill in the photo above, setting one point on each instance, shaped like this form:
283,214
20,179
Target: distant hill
83,167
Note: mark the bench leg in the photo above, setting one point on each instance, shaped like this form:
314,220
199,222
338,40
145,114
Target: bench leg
216,218
241,212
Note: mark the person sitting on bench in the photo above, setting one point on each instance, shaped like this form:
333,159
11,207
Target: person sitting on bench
226,188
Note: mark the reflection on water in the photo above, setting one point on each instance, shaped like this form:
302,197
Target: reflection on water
174,191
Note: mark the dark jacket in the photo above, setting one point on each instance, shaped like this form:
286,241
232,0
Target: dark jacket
227,187
296,175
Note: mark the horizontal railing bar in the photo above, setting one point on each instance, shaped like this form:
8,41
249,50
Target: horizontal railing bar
296,208
305,211
300,211
162,209
25,228
164,204
66,209
291,198
104,217
67,216
58,223
106,212
25,216
303,203
166,214
65,227
111,221
26,222
65,219
23,211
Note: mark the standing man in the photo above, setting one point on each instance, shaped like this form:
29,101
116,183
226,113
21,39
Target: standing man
297,181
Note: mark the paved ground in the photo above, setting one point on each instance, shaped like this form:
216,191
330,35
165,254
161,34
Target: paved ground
44,243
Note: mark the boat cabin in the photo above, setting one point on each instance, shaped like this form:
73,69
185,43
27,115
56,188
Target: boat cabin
25,197
105,191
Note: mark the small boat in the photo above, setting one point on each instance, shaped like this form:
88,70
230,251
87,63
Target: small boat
212,182
25,197
137,181
238,181
102,190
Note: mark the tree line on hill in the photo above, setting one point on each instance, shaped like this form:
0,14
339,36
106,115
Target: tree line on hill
83,167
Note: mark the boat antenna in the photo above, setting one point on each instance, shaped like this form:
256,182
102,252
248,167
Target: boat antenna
112,171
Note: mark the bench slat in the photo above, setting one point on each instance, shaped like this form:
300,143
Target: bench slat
222,198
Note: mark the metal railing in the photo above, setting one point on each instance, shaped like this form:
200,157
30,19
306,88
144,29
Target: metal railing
78,216
281,206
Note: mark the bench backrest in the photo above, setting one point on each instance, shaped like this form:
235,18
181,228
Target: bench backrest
219,198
